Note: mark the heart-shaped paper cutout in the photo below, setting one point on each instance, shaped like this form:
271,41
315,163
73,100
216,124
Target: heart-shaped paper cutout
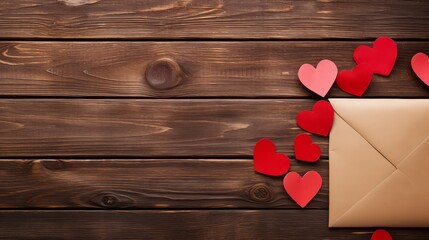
381,234
319,120
302,190
267,161
319,79
305,149
355,81
420,65
381,57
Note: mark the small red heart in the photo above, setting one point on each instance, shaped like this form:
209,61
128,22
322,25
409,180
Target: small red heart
381,57
267,161
355,81
420,65
381,234
319,79
319,120
305,149
302,190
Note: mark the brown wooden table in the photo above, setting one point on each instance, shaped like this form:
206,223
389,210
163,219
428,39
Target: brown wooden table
95,146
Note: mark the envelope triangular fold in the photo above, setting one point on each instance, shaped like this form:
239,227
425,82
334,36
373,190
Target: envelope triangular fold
393,126
403,204
417,165
362,162
379,163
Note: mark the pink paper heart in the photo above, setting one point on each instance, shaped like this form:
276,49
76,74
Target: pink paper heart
319,79
420,65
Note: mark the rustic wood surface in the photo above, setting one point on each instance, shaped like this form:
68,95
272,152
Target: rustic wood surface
183,224
137,119
148,128
184,19
210,69
138,183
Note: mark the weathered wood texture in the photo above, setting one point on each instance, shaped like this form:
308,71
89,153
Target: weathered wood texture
164,183
188,224
100,182
167,19
147,128
210,69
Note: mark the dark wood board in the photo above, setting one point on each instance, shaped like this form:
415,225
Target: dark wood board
147,128
144,184
90,149
213,19
183,224
211,69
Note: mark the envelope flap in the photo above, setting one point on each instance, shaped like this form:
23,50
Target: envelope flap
416,165
355,169
395,200
393,126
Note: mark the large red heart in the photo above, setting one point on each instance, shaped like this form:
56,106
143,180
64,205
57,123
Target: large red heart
355,81
420,65
305,149
319,79
267,161
319,120
381,234
381,57
302,190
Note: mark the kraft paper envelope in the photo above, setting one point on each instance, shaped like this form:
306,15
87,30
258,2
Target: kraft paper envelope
379,163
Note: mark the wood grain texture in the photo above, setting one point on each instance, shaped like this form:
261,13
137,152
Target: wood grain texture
189,224
147,128
184,19
210,69
106,186
164,183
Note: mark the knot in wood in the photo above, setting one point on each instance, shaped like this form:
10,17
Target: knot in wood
51,164
163,74
260,192
109,201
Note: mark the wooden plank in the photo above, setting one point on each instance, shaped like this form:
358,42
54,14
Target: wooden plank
186,19
165,183
187,224
147,128
211,69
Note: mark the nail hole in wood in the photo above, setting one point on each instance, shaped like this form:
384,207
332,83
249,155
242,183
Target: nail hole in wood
109,200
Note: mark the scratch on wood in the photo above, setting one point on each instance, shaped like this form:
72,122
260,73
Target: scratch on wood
75,3
286,8
178,4
234,127
324,12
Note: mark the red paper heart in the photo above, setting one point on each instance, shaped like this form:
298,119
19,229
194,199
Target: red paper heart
319,120
381,57
355,81
267,161
319,79
302,190
381,234
305,149
420,65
